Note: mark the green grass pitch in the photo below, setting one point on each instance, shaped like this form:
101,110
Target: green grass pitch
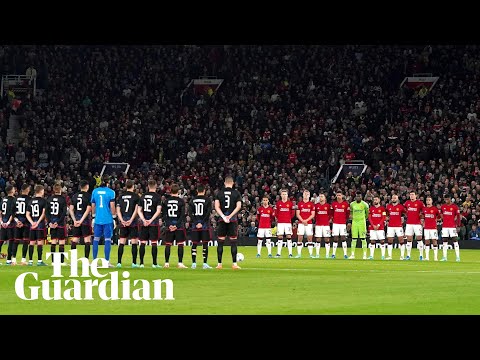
279,286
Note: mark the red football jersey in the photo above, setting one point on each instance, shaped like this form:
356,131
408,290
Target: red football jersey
323,214
430,213
265,215
377,216
395,215
306,210
449,213
414,209
341,212
284,212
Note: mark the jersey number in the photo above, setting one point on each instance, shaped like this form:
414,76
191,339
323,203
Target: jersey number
127,205
20,208
55,207
172,210
79,204
36,210
4,207
146,204
227,202
198,209
101,201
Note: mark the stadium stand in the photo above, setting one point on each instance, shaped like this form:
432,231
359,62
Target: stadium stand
284,116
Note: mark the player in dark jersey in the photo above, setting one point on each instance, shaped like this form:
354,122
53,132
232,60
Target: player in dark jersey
55,215
7,222
127,214
228,203
174,218
149,211
200,209
36,217
80,212
22,229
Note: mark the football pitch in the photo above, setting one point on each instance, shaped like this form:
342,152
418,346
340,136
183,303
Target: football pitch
274,286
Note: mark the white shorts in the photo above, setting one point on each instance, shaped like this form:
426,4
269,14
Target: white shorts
339,230
264,233
305,229
322,231
411,229
284,229
430,234
449,232
377,234
392,231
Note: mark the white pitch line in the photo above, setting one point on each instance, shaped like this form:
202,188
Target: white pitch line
365,270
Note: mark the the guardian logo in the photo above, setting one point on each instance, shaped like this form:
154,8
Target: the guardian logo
112,287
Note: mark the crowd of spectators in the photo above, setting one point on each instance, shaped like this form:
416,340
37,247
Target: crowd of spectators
284,117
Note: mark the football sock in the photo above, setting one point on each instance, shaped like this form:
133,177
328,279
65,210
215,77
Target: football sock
234,250
142,253
120,253
87,249
259,246
53,248
382,250
372,249
205,252
180,252
279,246
310,248
445,249
402,250
25,250
220,251
318,244
10,250
15,249
420,247
334,247
327,249
39,252
61,249
299,248
107,249
194,253
353,246
345,247
31,248
427,252
409,248
289,246
364,246
96,240
457,249
390,249
167,253
268,245
435,252
73,245
134,253
154,252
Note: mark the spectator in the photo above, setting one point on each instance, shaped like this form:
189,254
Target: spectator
474,233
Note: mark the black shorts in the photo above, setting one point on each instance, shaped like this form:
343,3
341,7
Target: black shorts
151,233
201,236
227,229
59,233
179,235
82,231
22,233
7,233
38,234
128,232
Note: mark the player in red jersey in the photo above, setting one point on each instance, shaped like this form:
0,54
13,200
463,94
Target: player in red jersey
451,221
376,217
305,214
395,210
341,212
265,217
284,213
430,216
414,209
323,218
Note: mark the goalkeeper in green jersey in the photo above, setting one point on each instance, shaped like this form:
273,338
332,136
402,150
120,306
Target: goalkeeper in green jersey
359,214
